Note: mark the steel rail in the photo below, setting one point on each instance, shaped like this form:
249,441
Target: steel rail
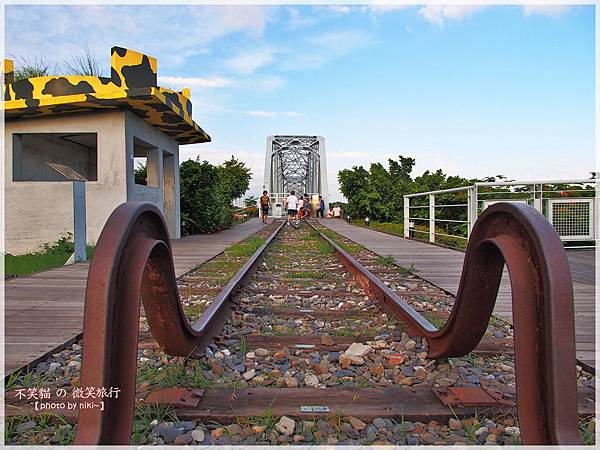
133,261
542,298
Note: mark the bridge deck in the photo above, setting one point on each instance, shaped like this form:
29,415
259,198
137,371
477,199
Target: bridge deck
443,267
45,310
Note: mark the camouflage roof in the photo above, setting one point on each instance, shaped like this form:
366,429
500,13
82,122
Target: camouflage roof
132,86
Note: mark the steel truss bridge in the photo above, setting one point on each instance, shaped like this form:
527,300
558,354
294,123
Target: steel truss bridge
295,163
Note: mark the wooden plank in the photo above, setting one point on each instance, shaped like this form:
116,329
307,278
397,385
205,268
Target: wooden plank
45,309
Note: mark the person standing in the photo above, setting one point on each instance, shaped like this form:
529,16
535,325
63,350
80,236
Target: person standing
292,206
321,208
265,202
306,205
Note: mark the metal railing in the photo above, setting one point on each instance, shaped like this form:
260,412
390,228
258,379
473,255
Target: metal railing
447,216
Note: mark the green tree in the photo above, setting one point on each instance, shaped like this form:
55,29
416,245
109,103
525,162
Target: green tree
234,178
250,202
204,209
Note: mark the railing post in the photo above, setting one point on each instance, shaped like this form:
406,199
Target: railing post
406,216
431,218
79,232
471,208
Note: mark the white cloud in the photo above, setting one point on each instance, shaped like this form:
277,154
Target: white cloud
248,61
191,82
438,14
273,114
545,10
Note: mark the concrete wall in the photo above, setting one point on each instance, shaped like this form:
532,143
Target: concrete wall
39,212
163,182
32,152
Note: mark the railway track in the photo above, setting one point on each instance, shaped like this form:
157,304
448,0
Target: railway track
311,347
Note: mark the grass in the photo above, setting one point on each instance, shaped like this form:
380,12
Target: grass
587,430
388,261
24,380
307,274
62,430
51,256
145,415
245,248
387,227
437,322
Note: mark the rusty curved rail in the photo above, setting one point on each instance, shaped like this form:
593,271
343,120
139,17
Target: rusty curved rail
542,297
133,261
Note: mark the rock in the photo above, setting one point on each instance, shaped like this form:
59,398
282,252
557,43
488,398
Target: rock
377,370
262,352
406,381
481,430
358,349
444,382
183,439
379,422
419,372
53,368
343,373
257,429
395,358
216,367
512,430
250,355
217,433
76,347
505,368
298,438
168,434
187,425
290,382
410,345
327,340
249,375
281,354
320,369
26,426
198,435
347,360
428,438
286,425
473,379
311,380
454,424
357,424
406,427
412,441
233,429
239,368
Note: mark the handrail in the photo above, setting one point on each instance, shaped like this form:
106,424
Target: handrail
542,298
133,261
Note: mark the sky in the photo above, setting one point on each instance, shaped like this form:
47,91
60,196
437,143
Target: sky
474,90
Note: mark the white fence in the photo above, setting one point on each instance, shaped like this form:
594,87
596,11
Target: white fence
447,216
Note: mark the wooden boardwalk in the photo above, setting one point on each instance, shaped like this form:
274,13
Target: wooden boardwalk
443,267
45,310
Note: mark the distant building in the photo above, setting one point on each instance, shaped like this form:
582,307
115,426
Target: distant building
298,163
102,127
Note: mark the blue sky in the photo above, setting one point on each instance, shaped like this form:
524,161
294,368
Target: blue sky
476,91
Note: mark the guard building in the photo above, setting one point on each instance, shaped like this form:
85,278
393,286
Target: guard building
102,128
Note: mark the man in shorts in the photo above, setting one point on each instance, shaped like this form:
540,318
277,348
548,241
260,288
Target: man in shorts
265,202
292,206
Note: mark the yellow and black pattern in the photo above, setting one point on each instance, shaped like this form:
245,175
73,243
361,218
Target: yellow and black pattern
132,85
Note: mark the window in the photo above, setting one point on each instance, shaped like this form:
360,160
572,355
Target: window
145,163
32,152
